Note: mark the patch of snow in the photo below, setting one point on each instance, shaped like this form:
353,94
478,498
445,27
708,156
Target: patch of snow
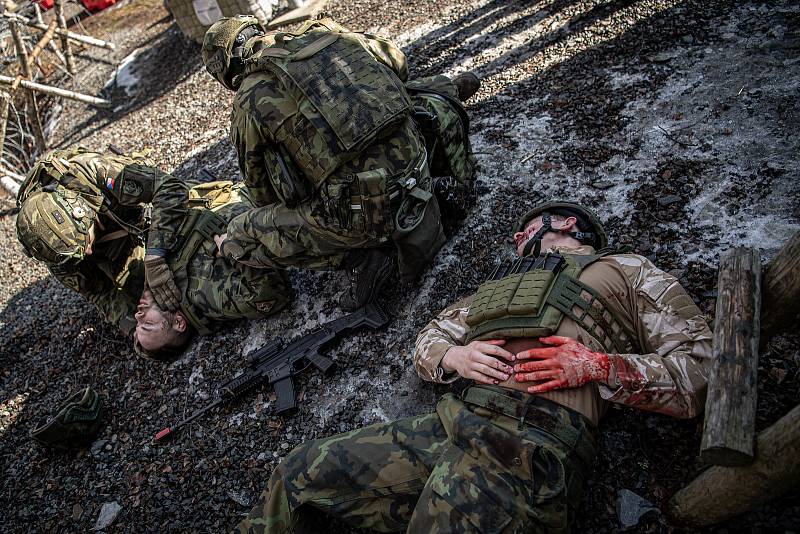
126,76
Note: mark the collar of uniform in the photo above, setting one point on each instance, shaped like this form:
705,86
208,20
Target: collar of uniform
583,250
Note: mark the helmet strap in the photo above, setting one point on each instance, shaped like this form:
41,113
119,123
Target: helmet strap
534,245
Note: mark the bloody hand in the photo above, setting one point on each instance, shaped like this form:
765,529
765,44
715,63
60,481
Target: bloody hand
566,364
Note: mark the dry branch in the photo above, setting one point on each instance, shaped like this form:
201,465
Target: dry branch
77,38
62,23
48,35
55,91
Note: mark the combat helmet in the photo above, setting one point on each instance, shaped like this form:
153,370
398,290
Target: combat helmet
592,232
76,424
223,46
53,226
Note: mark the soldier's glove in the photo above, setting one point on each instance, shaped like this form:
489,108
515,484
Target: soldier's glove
161,283
565,364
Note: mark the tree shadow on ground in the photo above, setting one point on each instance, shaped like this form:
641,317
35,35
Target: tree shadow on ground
159,67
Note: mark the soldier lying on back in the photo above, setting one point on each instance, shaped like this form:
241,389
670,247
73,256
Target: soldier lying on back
110,273
328,144
549,341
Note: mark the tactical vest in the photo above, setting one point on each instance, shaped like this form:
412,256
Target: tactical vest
529,297
201,224
354,99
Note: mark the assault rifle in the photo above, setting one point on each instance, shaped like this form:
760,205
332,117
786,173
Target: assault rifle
274,365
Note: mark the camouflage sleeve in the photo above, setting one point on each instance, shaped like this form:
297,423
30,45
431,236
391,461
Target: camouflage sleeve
672,377
114,304
387,53
133,183
448,329
251,142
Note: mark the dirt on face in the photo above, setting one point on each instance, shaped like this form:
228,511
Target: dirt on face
675,121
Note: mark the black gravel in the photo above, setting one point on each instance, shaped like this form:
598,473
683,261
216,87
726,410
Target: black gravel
596,146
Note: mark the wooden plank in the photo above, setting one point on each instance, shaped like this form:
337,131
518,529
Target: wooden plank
729,431
781,307
721,493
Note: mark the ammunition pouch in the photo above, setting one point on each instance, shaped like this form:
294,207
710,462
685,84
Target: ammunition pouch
288,182
418,233
375,200
529,298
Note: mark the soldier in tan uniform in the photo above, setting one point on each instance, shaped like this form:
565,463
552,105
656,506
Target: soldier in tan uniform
549,340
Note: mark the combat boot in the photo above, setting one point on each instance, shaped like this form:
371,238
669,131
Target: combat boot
467,85
367,271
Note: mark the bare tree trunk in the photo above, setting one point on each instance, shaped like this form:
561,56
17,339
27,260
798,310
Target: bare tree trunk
62,22
25,71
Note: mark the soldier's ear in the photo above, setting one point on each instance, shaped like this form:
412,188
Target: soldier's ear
570,224
179,323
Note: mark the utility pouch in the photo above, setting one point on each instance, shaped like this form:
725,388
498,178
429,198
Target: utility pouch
337,204
375,201
418,233
289,183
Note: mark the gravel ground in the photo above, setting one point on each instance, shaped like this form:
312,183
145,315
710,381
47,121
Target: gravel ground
676,120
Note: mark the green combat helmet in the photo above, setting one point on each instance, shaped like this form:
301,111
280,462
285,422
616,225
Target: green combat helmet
223,46
53,226
593,233
76,424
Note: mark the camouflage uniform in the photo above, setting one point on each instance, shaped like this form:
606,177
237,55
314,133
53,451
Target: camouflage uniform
214,288
499,459
318,195
118,188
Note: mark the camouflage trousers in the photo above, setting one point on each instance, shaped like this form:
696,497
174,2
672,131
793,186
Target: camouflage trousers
465,468
354,208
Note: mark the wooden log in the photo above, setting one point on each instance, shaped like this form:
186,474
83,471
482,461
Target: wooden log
781,307
5,101
48,35
50,90
724,492
25,69
730,421
75,38
62,23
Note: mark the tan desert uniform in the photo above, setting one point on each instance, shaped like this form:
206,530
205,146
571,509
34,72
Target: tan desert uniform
669,377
